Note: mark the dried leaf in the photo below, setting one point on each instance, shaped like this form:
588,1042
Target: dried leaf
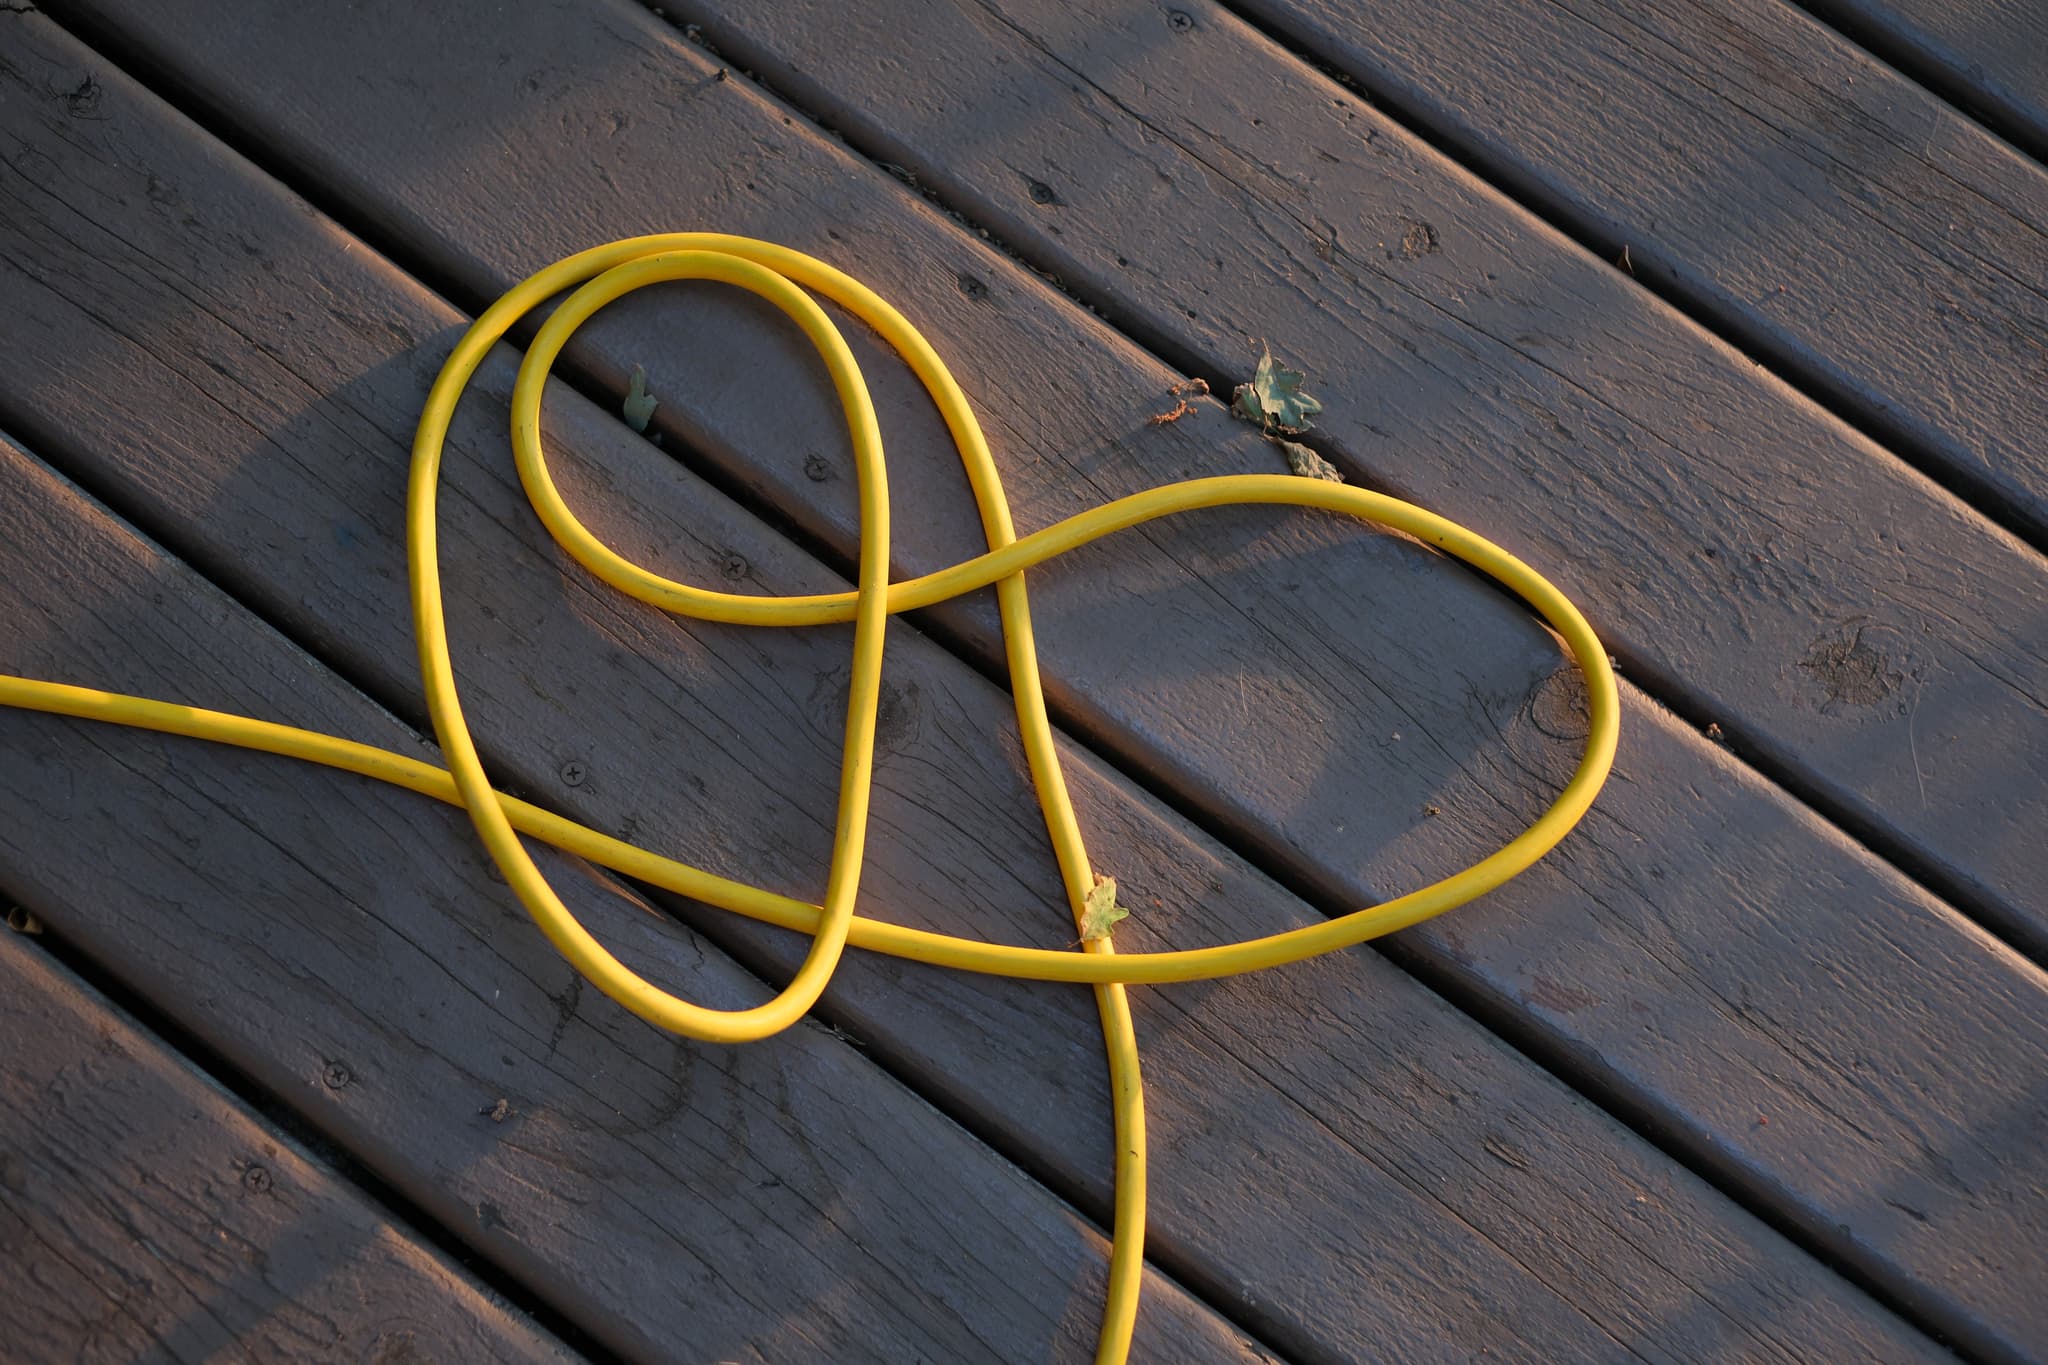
1307,463
1274,399
640,404
1100,912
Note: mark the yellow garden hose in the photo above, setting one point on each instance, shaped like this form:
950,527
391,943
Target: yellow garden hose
782,276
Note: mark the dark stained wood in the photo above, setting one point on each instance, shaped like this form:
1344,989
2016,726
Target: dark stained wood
147,1216
1990,56
1795,191
1705,953
1746,554
1390,1172
1818,207
674,1200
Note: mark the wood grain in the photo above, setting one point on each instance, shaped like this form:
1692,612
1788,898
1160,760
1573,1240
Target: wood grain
1824,212
1706,955
1747,556
1469,1202
772,1203
1989,56
148,1216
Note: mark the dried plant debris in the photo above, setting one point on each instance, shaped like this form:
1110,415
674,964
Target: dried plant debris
640,404
1181,408
1274,399
1100,912
1307,463
1275,402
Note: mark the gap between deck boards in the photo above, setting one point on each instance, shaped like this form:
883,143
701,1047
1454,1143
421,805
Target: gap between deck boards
612,425
1958,66
270,1109
1689,287
1778,764
1902,839
636,1276
206,1226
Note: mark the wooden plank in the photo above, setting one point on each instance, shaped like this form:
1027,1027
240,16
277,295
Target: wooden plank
224,498
149,1216
1781,1008
767,1203
1491,1209
1211,189
1824,212
1989,56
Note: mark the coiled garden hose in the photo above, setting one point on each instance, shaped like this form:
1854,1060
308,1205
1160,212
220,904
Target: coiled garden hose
782,276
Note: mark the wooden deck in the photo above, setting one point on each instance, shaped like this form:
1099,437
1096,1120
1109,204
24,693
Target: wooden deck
1731,318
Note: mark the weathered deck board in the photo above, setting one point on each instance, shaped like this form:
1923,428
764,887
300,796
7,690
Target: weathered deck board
1990,56
1821,209
1780,1006
1524,962
1787,580
1491,1209
673,1199
147,1216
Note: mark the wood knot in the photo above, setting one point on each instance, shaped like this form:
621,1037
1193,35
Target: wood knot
1849,671
1419,240
1558,706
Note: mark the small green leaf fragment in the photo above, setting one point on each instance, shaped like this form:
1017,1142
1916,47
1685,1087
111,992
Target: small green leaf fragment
640,404
1100,912
1307,463
1274,399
